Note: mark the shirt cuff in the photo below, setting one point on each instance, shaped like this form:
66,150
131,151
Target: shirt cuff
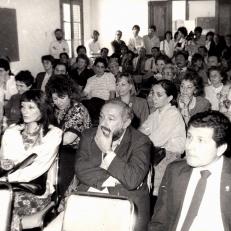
107,158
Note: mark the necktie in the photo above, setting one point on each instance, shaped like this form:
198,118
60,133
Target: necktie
196,200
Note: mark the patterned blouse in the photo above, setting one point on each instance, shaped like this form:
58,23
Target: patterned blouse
74,119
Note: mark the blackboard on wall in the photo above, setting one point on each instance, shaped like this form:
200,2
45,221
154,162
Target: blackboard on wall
8,34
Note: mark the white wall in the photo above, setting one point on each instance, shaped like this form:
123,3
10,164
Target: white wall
36,21
107,16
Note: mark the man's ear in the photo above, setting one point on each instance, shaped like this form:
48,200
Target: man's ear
127,123
221,149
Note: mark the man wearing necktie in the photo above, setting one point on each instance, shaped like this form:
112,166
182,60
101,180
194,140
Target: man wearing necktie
195,193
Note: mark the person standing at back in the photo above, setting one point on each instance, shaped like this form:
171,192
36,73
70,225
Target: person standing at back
151,40
59,45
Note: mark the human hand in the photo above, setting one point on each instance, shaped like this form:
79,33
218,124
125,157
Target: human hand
103,138
185,100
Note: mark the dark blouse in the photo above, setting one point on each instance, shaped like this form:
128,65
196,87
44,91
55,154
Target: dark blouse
75,119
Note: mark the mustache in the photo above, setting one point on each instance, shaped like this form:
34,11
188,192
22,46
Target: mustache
105,129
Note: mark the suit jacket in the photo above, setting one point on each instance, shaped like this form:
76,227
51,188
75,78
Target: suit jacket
39,80
130,167
172,192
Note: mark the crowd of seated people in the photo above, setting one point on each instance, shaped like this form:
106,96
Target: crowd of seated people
164,83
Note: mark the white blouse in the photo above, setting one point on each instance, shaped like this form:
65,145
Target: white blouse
13,148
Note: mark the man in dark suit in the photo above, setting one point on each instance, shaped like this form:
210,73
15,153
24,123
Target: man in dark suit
188,201
115,158
43,77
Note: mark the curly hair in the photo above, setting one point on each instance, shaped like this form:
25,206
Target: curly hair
62,85
196,80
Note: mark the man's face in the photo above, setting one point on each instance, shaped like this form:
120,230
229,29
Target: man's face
200,148
59,35
60,70
135,31
155,52
114,68
111,120
151,32
118,35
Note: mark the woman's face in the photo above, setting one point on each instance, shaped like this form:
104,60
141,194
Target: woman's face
160,64
187,88
30,112
61,102
99,69
81,64
123,87
215,78
159,96
168,36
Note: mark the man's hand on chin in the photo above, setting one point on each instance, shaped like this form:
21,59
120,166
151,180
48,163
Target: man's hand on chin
103,138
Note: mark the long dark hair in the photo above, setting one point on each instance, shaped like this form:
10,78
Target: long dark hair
39,98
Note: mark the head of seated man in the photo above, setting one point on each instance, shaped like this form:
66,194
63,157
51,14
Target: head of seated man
208,138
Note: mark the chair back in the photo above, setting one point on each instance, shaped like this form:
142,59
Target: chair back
98,212
6,201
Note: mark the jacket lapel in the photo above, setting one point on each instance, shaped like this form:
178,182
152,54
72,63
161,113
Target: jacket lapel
225,193
180,190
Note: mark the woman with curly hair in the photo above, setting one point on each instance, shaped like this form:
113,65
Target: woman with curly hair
191,99
72,117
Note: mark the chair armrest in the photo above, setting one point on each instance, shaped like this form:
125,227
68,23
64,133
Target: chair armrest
36,220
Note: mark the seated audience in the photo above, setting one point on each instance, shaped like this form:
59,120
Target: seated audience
139,62
168,72
193,192
73,118
150,66
165,126
181,42
151,40
60,69
43,77
12,113
213,61
181,62
161,61
7,80
126,92
191,99
102,84
217,79
114,67
225,103
117,44
127,62
64,58
167,45
33,134
198,65
104,53
81,73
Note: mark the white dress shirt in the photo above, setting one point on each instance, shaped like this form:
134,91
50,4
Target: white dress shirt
209,213
58,47
149,43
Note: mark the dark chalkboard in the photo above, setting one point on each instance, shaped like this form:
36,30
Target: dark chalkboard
8,34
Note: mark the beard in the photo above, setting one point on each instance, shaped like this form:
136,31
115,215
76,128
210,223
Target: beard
116,134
